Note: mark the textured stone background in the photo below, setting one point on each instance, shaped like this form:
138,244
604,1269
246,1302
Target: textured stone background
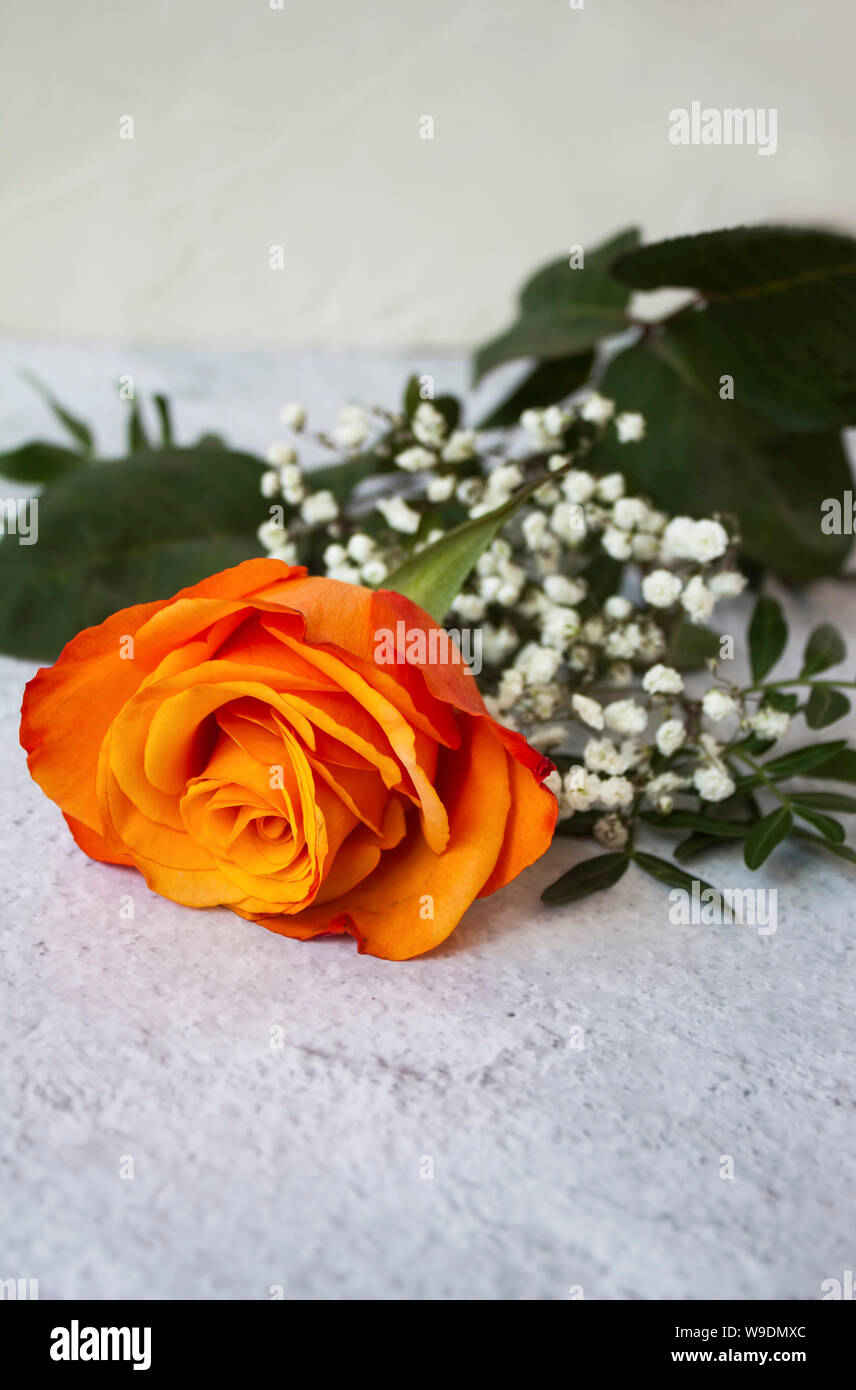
300,1166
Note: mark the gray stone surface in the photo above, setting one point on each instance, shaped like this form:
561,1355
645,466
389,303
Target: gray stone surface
301,1165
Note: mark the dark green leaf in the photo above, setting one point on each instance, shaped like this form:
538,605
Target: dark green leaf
589,876
138,440
690,645
768,635
580,823
165,417
825,801
841,767
803,760
765,835
829,828
694,844
665,872
774,482
39,462
843,851
824,648
825,706
786,704
563,311
130,531
76,428
779,315
697,820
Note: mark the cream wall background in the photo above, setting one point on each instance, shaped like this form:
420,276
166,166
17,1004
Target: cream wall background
300,127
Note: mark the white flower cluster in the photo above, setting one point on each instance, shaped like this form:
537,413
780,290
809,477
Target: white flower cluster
551,642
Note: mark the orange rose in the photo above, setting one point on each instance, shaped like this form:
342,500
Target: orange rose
240,744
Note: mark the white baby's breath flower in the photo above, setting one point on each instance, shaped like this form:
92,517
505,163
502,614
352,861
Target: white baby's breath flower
469,606
670,737
662,680
597,409
553,782
601,755
414,459
623,642
335,554
578,486
269,483
287,553
559,626
717,705
498,643
703,541
617,544
769,722
440,489
611,487
280,454
374,571
319,508
460,446
727,584
290,477
293,416
626,717
398,515
581,788
271,536
567,521
660,790
511,686
353,427
697,600
537,664
630,427
610,831
587,710
560,589
661,588
548,738
506,478
713,783
428,425
645,547
361,548
615,791
618,607
629,513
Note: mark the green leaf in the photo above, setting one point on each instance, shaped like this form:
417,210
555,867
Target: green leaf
843,851
696,820
694,844
841,767
39,462
786,704
825,801
433,577
765,835
802,760
779,315
825,706
589,876
824,648
703,455
76,428
133,530
690,645
162,407
829,828
138,440
668,873
564,312
768,635
549,383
